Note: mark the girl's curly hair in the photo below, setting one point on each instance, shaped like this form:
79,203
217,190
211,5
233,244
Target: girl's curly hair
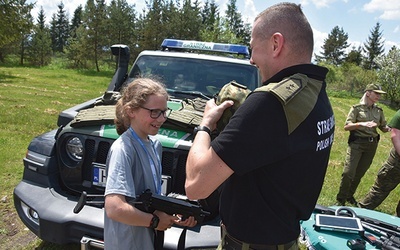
134,95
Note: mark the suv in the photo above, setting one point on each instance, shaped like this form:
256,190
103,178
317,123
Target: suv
62,164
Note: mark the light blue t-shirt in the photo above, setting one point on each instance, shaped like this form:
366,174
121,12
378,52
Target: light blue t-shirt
129,173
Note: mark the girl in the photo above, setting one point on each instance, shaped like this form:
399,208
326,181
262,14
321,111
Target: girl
134,165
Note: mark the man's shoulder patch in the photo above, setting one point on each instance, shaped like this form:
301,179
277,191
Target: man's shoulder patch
286,89
298,95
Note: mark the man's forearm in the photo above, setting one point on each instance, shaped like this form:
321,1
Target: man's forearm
194,164
395,136
205,170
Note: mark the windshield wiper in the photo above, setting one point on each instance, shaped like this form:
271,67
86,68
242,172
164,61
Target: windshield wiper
192,93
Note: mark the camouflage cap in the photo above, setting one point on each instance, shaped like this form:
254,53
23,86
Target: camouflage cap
375,87
230,91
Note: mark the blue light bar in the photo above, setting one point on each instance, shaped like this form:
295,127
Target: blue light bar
196,45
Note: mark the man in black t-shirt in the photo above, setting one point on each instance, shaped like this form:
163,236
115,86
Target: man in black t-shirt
272,156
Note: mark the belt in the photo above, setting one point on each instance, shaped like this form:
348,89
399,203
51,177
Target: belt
230,243
367,139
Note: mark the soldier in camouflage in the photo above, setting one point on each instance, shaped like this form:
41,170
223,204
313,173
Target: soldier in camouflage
389,175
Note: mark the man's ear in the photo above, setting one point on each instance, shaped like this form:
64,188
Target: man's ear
277,43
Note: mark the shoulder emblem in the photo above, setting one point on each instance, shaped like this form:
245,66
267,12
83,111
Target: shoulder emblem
298,95
357,105
286,89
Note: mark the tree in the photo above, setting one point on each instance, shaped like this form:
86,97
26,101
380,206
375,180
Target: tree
79,51
246,36
94,28
334,48
89,43
190,20
210,15
76,21
172,20
15,25
374,47
94,23
152,33
235,23
60,29
389,73
355,56
211,28
121,23
53,31
40,47
76,51
24,29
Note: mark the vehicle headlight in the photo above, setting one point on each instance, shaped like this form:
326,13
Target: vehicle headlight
30,213
74,148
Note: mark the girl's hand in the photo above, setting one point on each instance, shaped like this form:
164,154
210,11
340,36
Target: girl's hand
166,220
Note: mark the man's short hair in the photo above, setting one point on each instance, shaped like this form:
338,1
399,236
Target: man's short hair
289,20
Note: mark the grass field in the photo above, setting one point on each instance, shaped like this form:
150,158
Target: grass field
31,99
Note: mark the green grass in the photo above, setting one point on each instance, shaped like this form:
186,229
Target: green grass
31,99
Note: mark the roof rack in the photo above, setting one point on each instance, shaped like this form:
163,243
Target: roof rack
171,44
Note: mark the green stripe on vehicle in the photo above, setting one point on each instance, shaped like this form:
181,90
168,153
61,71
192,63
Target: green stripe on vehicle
108,131
172,138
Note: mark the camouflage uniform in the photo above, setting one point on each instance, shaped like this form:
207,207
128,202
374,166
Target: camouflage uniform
231,91
362,146
388,176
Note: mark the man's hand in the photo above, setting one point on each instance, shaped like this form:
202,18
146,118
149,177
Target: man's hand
166,220
213,112
188,222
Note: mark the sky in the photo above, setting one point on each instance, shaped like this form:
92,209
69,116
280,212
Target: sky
357,17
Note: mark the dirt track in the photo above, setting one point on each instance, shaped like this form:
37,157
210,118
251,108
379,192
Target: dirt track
14,234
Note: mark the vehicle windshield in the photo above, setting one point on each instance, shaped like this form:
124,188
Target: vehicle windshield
196,77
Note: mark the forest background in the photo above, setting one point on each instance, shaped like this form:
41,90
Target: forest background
83,41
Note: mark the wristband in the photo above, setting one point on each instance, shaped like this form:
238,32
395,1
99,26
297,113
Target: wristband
201,128
154,221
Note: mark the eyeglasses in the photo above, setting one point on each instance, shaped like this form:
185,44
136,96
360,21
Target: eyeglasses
155,113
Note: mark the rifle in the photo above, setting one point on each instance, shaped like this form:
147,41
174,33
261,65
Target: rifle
149,202
389,234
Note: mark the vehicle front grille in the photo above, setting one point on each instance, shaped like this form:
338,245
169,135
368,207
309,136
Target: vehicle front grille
174,165
79,177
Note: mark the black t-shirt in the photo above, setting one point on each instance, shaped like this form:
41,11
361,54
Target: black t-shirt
277,177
